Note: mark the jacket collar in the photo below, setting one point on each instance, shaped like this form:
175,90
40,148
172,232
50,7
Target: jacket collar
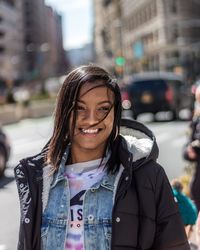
107,181
59,175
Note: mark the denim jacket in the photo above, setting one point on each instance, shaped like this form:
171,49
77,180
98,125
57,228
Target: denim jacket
97,219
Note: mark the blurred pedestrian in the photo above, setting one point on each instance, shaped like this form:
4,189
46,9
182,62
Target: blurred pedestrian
192,151
198,231
96,185
187,208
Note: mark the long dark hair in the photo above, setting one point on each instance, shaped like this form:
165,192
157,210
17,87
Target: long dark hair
67,103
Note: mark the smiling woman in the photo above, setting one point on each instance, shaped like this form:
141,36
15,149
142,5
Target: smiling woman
96,184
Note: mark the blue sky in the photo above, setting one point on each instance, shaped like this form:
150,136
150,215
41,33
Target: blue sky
77,21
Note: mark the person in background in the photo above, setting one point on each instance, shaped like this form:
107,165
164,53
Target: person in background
187,208
198,231
192,150
97,183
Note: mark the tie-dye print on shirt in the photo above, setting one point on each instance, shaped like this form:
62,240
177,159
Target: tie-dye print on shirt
81,176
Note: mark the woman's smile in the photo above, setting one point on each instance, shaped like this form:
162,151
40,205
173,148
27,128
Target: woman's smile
90,131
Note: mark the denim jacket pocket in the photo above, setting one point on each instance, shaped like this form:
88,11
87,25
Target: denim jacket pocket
53,233
108,235
44,232
107,228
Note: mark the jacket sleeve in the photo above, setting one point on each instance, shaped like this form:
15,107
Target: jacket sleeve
170,232
24,198
185,153
191,132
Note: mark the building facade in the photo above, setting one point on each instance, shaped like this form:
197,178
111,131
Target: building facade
162,35
11,41
35,37
155,34
56,54
107,32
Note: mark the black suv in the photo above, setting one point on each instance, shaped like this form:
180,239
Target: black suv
152,92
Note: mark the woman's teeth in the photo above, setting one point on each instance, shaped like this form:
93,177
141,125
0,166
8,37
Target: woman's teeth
89,131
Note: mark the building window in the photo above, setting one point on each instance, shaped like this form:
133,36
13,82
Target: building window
2,33
9,2
153,9
2,49
106,2
174,34
173,6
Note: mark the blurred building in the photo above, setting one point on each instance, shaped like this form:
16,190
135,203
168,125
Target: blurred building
154,34
56,55
45,56
79,56
107,32
11,41
35,37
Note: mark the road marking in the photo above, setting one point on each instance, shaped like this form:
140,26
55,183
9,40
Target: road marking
179,142
29,146
162,137
3,247
31,139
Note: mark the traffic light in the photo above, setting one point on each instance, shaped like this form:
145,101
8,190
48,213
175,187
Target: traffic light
120,61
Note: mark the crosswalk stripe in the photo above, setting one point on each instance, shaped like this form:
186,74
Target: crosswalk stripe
179,142
28,146
3,247
162,137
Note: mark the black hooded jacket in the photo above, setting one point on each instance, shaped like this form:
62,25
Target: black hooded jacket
145,215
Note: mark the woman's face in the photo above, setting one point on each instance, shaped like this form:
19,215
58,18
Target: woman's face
94,123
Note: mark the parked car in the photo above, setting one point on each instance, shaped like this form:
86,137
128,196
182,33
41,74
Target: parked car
4,151
152,92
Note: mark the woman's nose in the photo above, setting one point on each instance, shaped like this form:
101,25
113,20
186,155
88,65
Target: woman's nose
91,117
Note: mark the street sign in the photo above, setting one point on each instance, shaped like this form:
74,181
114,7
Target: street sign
138,50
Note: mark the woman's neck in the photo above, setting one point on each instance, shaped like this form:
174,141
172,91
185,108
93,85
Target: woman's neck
83,156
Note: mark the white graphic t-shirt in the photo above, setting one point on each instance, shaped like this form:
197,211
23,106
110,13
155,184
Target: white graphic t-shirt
81,177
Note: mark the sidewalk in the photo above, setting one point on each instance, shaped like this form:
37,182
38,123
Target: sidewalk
12,113
192,239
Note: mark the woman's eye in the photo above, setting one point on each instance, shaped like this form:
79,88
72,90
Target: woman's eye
80,108
104,109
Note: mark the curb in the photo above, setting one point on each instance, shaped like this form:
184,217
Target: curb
12,113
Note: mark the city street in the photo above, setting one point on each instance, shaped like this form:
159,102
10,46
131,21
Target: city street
29,136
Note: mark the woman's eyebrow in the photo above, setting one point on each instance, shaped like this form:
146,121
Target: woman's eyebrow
102,102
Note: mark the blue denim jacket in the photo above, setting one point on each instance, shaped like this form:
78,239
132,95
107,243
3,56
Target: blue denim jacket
97,214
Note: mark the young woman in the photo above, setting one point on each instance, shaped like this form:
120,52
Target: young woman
96,184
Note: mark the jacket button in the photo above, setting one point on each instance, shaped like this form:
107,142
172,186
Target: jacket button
27,220
126,179
117,219
90,217
105,182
